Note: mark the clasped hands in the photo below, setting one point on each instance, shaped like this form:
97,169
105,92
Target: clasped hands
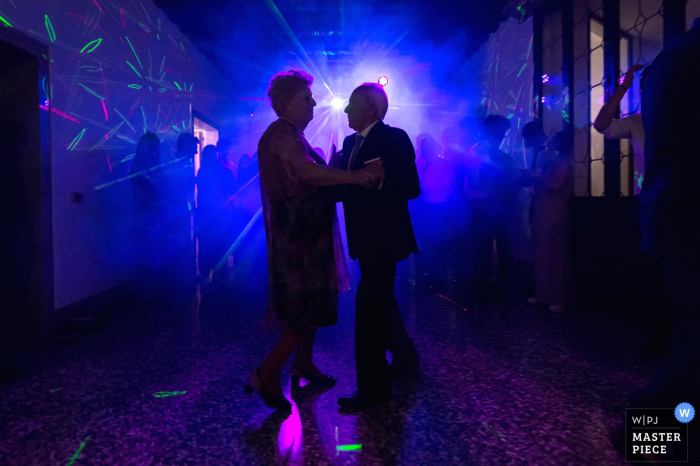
369,177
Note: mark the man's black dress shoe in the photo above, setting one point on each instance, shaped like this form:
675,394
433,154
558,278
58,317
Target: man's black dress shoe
363,398
400,365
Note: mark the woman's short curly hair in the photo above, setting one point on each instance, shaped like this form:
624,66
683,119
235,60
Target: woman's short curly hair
284,86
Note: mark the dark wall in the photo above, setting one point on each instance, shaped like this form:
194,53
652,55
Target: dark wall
611,270
23,295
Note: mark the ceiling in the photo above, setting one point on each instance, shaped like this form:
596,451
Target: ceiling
249,41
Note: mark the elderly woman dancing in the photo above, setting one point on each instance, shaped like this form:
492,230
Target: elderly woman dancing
306,267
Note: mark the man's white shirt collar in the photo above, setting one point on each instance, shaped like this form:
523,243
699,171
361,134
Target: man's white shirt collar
365,131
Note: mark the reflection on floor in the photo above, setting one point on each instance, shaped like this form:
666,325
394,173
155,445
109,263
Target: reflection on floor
496,385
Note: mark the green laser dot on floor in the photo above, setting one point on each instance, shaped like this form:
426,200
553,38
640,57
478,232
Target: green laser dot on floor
354,447
77,453
166,394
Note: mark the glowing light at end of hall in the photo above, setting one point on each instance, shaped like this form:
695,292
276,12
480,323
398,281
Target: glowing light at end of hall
383,81
337,102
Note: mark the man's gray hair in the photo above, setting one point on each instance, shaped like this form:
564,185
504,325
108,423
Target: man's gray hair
375,93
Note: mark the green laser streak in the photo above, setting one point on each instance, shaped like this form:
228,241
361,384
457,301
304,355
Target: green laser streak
176,128
5,22
132,49
349,447
97,42
162,89
91,91
56,389
49,28
102,186
126,139
145,125
125,120
76,141
191,86
135,70
134,86
178,86
166,394
82,445
521,70
108,135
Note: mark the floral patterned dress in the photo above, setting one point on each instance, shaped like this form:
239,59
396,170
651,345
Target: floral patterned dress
306,262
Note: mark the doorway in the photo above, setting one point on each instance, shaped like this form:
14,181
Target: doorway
26,288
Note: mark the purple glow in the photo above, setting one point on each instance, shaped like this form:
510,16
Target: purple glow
546,78
98,6
290,441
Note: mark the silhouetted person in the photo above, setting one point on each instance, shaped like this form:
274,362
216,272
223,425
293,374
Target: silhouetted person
535,152
459,219
491,187
247,169
223,147
550,230
432,214
629,127
149,200
670,215
533,139
215,186
380,234
150,219
161,213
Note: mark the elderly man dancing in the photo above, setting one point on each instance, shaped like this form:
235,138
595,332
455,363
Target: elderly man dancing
380,234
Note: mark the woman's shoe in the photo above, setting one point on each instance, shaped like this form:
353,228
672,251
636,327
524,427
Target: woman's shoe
321,381
255,384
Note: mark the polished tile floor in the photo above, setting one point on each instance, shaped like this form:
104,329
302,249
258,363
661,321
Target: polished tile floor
497,385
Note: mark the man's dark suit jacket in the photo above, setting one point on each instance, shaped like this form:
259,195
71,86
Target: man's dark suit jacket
377,221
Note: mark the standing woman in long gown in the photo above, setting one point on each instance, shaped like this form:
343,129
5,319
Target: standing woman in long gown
306,267
551,226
